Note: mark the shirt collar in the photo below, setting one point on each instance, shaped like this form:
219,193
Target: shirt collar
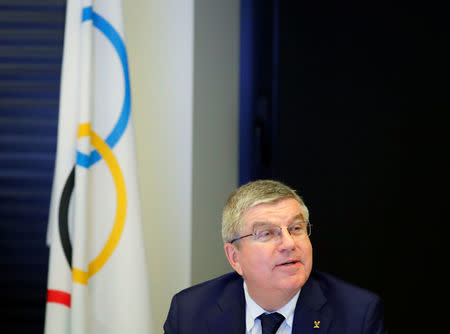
253,310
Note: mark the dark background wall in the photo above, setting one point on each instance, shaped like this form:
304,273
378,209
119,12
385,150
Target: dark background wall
347,106
31,43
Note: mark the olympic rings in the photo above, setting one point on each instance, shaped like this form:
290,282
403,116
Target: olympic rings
106,153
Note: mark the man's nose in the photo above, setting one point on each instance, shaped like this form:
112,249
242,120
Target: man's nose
286,239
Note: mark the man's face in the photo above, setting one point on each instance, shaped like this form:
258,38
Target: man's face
277,268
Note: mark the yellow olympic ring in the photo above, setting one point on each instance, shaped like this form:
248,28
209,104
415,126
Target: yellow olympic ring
97,142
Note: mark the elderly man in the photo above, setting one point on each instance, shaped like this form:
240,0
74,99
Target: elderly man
265,229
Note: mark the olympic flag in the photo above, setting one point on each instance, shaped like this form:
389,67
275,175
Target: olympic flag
97,279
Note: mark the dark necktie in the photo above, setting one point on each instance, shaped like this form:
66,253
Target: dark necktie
270,322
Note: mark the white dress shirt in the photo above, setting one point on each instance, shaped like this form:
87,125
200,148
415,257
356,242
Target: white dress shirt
253,311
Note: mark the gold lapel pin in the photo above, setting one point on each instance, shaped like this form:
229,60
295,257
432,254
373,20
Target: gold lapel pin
316,324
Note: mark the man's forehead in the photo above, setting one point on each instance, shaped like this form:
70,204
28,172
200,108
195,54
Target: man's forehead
286,208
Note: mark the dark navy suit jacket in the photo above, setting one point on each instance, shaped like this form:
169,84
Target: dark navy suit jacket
218,307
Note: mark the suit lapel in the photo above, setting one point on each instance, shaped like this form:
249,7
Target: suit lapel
310,315
229,314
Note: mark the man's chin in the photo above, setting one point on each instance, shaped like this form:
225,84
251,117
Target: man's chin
292,283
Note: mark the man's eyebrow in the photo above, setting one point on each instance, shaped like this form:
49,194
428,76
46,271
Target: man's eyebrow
262,223
265,222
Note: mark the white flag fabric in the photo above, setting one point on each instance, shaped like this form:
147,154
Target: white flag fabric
97,279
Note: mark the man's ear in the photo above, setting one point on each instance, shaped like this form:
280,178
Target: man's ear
232,254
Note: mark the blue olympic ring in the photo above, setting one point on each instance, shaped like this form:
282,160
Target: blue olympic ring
108,30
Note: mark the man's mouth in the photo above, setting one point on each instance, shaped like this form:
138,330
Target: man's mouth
288,263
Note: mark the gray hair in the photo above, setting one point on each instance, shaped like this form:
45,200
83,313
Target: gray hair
250,195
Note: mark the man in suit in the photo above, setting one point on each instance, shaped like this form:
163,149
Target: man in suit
265,229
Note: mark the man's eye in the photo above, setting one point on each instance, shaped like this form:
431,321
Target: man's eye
264,234
297,228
